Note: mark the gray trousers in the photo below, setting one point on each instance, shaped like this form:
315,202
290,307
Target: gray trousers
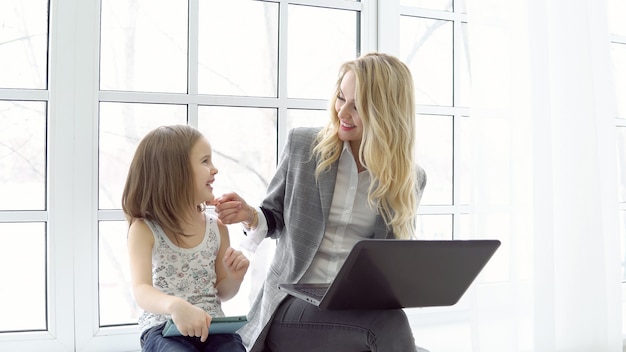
301,326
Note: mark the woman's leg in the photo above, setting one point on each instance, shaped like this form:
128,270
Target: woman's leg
300,326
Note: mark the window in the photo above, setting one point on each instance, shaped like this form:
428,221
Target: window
23,144
433,43
78,98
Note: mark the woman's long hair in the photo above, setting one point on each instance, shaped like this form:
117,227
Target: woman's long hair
159,186
385,101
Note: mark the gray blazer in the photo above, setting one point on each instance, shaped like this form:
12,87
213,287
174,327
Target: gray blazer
298,205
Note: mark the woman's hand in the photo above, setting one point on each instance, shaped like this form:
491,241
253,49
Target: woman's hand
231,209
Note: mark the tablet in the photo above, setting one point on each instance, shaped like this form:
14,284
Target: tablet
219,325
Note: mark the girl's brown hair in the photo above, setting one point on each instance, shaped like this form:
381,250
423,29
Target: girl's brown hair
159,186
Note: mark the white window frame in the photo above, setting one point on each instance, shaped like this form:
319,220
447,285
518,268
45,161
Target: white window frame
72,154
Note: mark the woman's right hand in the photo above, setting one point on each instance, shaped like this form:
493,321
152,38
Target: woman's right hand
231,209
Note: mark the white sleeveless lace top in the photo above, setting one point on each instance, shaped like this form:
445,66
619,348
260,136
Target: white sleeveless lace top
185,272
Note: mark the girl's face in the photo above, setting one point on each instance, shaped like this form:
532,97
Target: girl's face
350,124
203,170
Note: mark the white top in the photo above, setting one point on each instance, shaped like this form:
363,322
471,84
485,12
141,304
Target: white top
185,272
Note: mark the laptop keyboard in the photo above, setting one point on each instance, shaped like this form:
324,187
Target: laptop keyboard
317,292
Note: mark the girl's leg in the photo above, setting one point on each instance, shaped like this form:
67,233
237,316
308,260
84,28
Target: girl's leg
152,340
222,343
300,326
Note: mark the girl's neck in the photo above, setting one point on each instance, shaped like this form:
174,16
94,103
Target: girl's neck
193,231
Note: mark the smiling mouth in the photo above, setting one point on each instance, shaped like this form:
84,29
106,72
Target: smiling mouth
346,125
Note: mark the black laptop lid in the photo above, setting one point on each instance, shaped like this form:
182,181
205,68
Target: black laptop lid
387,274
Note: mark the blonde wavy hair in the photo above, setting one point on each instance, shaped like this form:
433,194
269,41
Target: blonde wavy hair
385,102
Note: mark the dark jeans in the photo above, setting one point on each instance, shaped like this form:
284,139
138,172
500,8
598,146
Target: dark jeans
152,340
300,326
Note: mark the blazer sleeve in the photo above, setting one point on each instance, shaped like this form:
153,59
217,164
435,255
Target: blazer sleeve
295,169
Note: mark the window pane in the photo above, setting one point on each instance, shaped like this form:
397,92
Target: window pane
117,304
429,4
23,44
434,227
238,48
622,216
23,271
465,228
306,118
463,161
621,162
22,155
434,154
462,83
618,52
319,41
244,148
426,47
144,45
617,9
122,126
460,6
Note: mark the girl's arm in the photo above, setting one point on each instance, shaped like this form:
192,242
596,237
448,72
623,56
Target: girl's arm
190,320
230,267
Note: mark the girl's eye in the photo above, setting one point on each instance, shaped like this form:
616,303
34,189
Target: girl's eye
340,97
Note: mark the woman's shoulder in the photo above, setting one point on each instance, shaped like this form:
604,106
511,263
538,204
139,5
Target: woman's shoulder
302,138
308,133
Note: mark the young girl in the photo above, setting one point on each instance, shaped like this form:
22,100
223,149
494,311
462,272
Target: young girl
182,266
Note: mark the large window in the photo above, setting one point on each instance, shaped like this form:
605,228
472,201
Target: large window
25,170
220,72
81,82
433,43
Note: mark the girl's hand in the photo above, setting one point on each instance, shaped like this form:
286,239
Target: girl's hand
235,263
191,320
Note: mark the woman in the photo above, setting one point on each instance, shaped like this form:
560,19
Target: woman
353,179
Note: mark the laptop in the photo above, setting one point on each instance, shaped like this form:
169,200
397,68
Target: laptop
391,274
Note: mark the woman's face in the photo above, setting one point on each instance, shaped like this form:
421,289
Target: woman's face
350,124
